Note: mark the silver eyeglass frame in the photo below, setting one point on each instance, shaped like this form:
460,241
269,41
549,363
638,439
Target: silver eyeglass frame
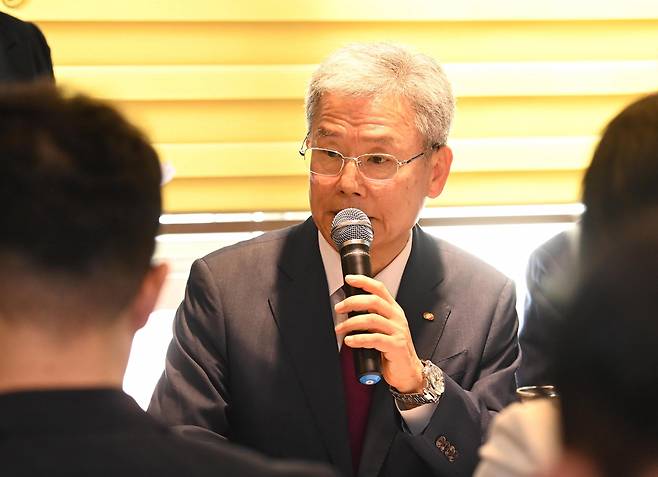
303,148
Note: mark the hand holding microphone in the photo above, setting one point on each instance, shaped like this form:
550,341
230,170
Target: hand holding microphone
352,233
377,329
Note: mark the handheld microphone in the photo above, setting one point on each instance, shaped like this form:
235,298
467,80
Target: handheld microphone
352,233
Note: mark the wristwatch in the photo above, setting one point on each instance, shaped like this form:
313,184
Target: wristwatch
433,387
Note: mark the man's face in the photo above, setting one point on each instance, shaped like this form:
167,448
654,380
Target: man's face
355,126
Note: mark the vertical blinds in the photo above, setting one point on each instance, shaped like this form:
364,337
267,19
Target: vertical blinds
218,85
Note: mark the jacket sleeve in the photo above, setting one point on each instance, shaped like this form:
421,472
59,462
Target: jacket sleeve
193,388
450,442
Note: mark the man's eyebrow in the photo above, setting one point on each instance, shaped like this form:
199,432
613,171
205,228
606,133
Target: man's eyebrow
381,139
384,140
325,133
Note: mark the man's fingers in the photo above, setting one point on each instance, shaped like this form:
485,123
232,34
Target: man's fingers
367,322
378,341
370,285
364,303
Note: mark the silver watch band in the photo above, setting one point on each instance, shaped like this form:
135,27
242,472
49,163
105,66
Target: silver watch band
433,387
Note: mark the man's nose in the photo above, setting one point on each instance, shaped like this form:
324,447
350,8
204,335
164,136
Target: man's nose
351,181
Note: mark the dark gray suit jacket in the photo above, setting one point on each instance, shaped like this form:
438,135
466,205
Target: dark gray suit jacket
254,355
24,52
104,433
551,275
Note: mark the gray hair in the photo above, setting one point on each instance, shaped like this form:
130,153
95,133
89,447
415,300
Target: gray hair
381,69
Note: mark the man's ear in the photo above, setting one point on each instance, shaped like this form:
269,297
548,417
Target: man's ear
147,297
441,161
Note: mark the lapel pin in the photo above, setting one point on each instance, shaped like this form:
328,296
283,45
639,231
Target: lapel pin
428,316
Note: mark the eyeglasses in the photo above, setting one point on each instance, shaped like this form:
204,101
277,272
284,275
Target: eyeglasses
375,166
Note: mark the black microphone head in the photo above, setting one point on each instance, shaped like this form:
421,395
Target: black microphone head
351,224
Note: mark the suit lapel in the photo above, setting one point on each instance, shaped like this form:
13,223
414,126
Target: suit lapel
419,293
302,311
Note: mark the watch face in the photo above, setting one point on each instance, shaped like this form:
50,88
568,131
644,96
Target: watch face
432,390
434,377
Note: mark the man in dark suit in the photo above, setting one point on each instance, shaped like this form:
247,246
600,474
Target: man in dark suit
551,277
24,51
255,355
81,194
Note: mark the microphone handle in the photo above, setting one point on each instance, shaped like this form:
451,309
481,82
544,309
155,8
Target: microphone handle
355,260
367,361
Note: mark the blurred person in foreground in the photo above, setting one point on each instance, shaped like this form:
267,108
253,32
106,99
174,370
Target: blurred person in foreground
80,188
607,360
621,181
255,355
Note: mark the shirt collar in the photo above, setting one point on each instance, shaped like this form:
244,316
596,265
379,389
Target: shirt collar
390,276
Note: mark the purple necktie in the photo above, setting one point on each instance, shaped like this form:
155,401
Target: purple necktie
358,397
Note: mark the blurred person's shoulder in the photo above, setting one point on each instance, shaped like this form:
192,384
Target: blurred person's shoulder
557,255
213,454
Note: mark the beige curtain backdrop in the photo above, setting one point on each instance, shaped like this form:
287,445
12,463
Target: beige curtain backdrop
219,84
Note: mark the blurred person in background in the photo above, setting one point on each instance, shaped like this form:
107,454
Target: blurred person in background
24,52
